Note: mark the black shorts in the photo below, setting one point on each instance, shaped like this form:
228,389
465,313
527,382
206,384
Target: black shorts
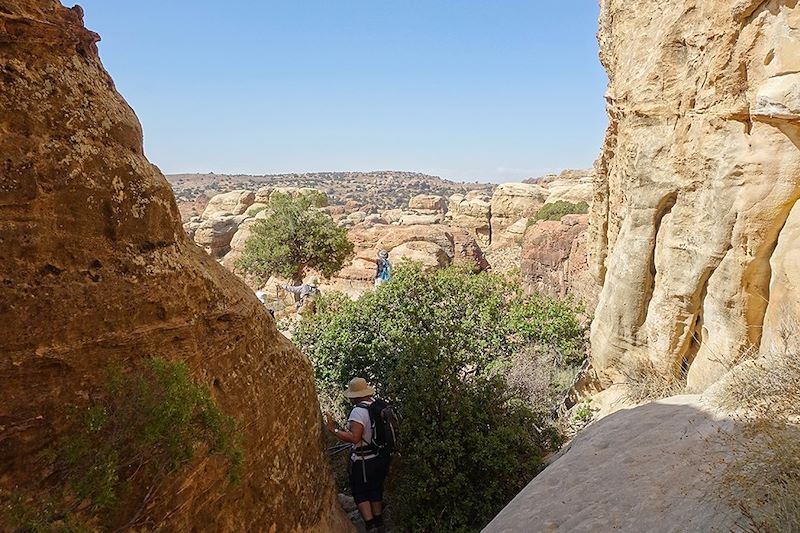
375,471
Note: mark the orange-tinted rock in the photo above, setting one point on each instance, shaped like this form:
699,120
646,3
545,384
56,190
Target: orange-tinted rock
95,269
554,260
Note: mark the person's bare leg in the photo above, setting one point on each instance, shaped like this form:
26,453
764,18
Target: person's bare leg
365,508
377,508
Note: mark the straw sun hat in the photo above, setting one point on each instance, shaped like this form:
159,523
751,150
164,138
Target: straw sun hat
358,388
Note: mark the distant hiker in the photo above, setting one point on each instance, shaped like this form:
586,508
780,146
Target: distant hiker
304,293
372,430
383,268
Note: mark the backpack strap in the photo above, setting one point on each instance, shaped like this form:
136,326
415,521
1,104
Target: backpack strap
369,447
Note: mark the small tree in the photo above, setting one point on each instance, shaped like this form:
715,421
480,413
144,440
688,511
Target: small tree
292,239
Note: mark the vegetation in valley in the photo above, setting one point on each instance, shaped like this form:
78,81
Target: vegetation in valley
146,425
446,347
294,238
559,208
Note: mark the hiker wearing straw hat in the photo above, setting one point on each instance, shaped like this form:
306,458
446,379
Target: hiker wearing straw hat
368,467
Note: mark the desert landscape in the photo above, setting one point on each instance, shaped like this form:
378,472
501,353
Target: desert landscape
603,349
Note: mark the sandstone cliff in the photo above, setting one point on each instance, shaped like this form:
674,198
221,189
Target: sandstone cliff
96,269
693,222
554,260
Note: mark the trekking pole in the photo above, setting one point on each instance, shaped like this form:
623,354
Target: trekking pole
338,448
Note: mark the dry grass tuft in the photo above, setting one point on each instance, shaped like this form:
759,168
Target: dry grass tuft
763,477
646,383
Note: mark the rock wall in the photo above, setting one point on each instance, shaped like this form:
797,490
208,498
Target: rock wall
96,269
554,260
691,232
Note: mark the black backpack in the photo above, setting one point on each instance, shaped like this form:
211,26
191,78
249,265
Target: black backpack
385,427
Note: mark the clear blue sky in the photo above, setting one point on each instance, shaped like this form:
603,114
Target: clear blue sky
494,90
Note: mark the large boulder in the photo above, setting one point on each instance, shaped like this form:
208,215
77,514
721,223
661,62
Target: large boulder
98,272
214,235
429,254
696,182
512,201
413,219
238,242
473,213
229,203
573,186
262,195
658,467
427,204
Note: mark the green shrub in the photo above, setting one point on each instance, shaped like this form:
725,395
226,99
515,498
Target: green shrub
559,208
293,239
433,343
145,425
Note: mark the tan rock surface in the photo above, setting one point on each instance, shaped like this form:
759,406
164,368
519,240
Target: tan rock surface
472,213
698,174
214,235
573,189
414,219
651,468
433,245
427,204
512,201
96,270
229,203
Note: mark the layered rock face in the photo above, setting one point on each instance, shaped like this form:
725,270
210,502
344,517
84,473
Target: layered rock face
473,212
693,224
554,260
96,269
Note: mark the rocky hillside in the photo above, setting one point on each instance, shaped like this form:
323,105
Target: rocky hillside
385,189
496,230
97,271
695,214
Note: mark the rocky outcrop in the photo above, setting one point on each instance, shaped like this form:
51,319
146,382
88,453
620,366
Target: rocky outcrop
229,203
214,235
572,186
554,260
700,170
513,201
428,204
472,212
96,270
657,467
433,245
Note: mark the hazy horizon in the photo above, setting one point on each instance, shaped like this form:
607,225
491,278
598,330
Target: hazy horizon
465,90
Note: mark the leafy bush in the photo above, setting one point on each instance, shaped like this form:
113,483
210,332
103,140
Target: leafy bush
146,425
294,238
559,208
436,343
